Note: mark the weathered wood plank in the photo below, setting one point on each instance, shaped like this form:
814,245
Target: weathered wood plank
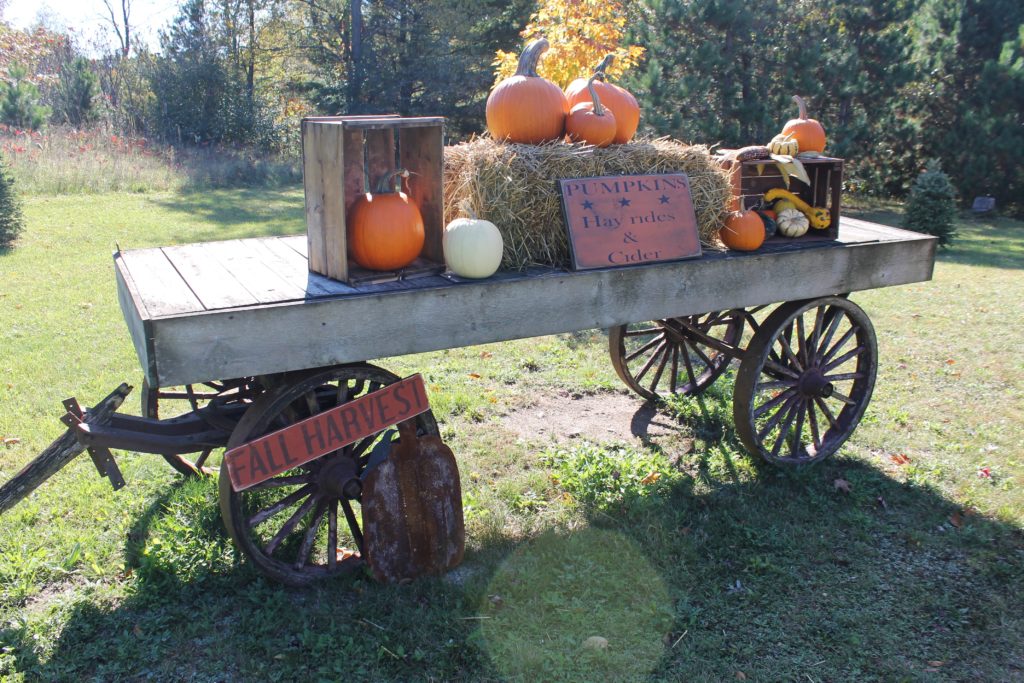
290,265
136,317
208,277
421,151
367,325
247,265
161,288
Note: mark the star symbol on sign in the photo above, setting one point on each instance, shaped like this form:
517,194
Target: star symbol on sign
588,205
663,199
624,202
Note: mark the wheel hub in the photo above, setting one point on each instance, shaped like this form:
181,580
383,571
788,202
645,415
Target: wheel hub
339,479
813,383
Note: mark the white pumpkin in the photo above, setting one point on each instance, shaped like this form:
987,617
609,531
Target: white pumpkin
472,247
792,223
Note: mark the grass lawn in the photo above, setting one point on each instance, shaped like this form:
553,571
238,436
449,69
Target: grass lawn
719,567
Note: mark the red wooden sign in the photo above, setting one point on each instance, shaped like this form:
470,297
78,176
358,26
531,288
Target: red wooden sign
274,453
626,220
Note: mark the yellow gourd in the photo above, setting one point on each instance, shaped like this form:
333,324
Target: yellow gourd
819,217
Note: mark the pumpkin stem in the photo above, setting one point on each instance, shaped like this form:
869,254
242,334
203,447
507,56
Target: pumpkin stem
467,209
601,69
530,58
598,108
386,183
802,105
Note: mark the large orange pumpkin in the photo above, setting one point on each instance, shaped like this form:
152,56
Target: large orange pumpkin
525,107
808,133
743,231
619,100
591,122
385,229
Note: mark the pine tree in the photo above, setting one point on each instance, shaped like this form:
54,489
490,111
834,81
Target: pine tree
11,220
19,101
932,204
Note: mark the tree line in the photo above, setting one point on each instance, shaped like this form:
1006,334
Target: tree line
895,82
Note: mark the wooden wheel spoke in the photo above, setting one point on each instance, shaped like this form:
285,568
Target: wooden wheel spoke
700,354
353,525
856,351
780,370
777,384
278,482
271,510
801,339
834,318
289,525
784,428
819,318
827,411
360,448
812,420
310,537
689,368
312,403
777,417
798,428
787,350
839,344
646,347
674,371
842,398
661,367
771,403
332,535
646,330
650,361
201,460
842,377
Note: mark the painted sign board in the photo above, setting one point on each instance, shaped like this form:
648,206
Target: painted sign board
630,219
316,436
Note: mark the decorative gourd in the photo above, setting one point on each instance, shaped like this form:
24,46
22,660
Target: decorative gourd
472,246
792,223
768,218
743,231
591,122
819,217
784,144
808,133
619,100
525,107
385,229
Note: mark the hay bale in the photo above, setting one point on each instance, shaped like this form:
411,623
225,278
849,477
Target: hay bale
514,187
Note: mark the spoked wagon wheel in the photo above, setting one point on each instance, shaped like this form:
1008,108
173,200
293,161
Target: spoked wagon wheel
288,525
805,380
664,357
226,400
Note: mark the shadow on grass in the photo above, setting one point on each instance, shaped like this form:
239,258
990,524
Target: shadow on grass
989,241
773,573
250,212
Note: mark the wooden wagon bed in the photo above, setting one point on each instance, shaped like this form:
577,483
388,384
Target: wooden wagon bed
217,310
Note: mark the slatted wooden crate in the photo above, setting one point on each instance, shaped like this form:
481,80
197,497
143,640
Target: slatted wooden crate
344,157
825,173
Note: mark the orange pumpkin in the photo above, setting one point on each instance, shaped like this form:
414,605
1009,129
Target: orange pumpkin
385,230
743,231
591,122
808,133
619,100
525,107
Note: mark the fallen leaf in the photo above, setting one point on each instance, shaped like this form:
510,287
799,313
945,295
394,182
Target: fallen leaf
595,643
841,485
486,354
345,553
956,520
936,662
950,361
651,478
740,676
474,375
12,441
899,459
985,472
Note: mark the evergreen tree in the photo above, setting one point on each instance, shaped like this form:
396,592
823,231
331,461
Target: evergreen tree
75,92
11,219
931,207
19,101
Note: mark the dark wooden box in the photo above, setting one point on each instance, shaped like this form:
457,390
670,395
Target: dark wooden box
825,173
342,158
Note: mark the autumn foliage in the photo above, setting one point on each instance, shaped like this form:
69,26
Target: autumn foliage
581,33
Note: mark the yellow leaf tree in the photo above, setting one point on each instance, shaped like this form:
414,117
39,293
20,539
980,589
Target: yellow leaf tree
581,33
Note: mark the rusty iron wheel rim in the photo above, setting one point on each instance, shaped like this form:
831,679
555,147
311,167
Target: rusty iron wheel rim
805,381
174,401
659,358
293,525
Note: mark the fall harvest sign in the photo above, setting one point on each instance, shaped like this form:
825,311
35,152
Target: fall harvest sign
306,440
627,220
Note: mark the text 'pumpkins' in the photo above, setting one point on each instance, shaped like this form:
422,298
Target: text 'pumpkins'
525,107
385,229
615,98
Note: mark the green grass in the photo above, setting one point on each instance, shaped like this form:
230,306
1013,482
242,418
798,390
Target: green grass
691,559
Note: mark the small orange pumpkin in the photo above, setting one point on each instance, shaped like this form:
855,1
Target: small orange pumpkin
808,133
619,100
743,231
385,230
591,122
525,107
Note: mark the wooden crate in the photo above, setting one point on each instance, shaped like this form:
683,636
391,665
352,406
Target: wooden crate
826,176
342,158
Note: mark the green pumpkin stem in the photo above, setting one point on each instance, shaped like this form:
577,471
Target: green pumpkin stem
802,105
386,183
598,108
530,58
601,69
467,209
